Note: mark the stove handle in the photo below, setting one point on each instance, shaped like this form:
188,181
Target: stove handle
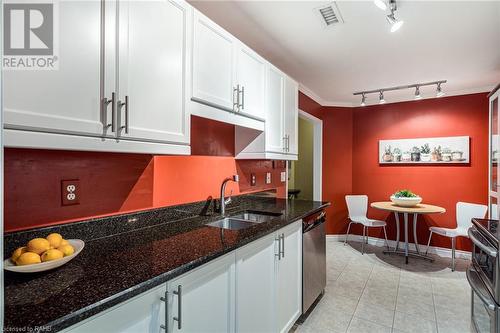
474,281
488,249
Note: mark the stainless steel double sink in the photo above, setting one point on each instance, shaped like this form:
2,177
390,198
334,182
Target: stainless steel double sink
244,219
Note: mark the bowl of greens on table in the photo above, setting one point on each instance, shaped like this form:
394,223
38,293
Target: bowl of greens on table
406,198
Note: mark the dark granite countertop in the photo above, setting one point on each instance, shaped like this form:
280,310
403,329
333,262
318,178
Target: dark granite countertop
128,254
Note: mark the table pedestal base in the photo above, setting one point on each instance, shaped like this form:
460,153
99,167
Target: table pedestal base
409,254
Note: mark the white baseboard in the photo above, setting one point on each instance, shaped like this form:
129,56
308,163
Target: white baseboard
440,251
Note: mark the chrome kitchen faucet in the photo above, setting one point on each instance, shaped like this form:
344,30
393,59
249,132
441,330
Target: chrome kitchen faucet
223,201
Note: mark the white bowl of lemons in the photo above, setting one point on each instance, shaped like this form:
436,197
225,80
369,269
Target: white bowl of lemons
43,254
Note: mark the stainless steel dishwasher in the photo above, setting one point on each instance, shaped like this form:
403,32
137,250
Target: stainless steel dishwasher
313,258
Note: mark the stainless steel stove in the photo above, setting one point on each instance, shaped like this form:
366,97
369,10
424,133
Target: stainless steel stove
484,275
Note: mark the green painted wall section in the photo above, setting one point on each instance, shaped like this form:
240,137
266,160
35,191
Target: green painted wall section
301,172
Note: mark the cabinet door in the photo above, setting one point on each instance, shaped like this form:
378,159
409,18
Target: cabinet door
274,119
66,100
291,115
207,298
144,313
251,78
494,155
153,66
255,267
289,278
213,64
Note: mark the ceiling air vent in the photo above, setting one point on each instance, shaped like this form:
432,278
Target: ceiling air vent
330,14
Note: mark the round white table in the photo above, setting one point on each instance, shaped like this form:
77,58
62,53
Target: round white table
418,209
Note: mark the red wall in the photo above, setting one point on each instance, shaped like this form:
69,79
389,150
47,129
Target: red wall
440,185
112,183
337,159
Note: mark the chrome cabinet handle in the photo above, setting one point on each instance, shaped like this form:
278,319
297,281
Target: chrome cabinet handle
236,100
288,142
278,239
284,143
489,250
105,103
120,104
283,246
165,299
178,292
242,98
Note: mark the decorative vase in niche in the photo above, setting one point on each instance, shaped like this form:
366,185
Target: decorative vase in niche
425,157
406,157
456,156
415,157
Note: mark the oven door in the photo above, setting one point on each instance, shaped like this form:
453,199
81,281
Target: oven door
485,260
485,318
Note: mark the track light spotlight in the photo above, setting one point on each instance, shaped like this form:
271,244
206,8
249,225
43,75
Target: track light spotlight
417,93
380,4
439,91
381,99
363,99
394,22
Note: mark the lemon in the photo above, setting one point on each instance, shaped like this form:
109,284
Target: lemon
28,258
55,240
67,250
38,245
63,242
52,254
17,253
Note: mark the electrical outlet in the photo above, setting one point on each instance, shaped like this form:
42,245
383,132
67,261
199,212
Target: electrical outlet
70,192
253,179
283,176
268,178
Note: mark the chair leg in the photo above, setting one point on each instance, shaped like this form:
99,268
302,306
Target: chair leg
347,235
386,241
428,243
363,241
453,254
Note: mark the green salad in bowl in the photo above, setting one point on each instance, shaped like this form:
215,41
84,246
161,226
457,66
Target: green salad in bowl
406,198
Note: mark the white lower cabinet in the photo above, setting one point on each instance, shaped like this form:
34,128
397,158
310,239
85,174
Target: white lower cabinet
257,288
269,282
203,300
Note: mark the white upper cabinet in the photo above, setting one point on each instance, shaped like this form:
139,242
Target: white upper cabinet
291,116
66,100
280,138
213,64
251,83
121,84
275,139
228,78
153,63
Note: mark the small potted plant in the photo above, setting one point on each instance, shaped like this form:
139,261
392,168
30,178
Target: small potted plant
387,157
406,198
446,154
415,154
406,156
436,154
396,155
456,155
425,153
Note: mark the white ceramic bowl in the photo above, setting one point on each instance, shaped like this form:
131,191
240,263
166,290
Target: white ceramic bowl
9,265
406,202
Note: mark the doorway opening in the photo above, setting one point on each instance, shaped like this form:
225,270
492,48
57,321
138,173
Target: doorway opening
304,175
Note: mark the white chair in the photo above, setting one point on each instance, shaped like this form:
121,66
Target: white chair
357,206
465,213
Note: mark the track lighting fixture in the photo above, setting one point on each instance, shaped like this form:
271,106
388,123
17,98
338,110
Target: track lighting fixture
439,91
417,93
416,86
380,4
381,99
391,18
363,100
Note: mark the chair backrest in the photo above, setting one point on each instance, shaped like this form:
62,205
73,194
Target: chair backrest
357,206
467,211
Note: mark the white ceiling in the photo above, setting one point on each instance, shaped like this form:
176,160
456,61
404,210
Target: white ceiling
458,41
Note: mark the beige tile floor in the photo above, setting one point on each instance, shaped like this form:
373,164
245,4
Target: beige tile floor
379,293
